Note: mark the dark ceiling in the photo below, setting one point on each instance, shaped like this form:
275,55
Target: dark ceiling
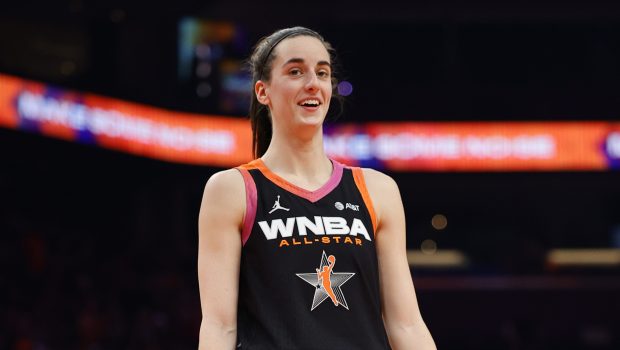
422,60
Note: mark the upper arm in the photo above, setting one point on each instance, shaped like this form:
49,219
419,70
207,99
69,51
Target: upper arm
219,246
398,297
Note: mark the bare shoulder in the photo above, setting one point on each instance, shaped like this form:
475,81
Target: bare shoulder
226,181
224,196
378,183
385,196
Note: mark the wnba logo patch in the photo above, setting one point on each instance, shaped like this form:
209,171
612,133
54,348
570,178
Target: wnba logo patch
327,283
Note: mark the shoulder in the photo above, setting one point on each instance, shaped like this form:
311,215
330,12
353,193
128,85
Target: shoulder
228,181
384,194
378,183
224,191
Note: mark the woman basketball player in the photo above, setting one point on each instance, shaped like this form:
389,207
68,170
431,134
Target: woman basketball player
270,231
324,277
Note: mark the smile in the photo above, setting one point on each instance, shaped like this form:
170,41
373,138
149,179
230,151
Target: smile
311,102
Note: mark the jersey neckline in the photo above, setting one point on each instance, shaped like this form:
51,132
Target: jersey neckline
312,196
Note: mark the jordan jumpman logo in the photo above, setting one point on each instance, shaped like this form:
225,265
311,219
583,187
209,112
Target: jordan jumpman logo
277,206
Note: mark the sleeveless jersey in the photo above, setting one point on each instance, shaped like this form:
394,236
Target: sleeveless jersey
309,275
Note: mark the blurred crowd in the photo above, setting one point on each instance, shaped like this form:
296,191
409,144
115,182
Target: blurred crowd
93,290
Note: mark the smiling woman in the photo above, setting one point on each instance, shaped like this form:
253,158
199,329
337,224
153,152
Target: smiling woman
299,90
261,64
271,231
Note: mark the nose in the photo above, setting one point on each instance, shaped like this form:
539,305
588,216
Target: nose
312,82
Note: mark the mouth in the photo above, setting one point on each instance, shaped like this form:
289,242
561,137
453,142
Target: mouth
310,103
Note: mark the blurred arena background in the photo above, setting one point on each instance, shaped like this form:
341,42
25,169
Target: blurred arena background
500,121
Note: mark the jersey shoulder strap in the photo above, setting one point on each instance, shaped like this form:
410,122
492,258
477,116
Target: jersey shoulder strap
250,199
360,183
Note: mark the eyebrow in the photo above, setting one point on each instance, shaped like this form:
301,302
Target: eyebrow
301,60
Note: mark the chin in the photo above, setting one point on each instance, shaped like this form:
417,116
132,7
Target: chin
315,120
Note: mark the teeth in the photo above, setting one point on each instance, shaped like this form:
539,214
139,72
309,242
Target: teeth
310,103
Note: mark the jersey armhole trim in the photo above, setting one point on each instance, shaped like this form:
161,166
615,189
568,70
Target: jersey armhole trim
250,204
358,176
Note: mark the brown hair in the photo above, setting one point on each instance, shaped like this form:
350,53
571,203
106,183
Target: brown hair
260,66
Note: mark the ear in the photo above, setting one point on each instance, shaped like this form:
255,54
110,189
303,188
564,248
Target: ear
260,89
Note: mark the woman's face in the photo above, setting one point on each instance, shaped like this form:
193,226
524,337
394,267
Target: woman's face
300,88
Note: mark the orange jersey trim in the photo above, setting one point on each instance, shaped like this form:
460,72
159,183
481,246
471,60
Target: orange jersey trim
312,196
249,166
358,176
276,178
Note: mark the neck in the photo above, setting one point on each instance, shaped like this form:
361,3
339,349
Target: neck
295,156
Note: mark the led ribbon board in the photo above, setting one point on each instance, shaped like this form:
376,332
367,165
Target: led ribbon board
123,126
226,142
479,146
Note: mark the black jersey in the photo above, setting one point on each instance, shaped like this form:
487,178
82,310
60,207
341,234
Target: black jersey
309,275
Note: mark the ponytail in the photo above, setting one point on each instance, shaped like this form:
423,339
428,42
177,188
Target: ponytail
261,127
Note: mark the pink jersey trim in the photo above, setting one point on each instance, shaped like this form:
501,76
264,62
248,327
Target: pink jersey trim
250,205
312,196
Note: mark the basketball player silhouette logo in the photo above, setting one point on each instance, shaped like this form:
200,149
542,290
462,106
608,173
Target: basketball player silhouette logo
277,206
327,283
324,277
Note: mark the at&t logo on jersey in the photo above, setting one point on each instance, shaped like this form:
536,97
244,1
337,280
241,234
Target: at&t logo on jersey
353,207
325,230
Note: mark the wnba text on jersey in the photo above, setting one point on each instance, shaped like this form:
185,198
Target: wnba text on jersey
321,226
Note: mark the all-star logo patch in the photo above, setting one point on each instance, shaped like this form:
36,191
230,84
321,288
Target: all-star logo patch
327,283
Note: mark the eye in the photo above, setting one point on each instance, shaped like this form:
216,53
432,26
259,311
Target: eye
323,74
295,71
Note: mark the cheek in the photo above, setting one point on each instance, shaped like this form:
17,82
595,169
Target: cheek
328,92
283,94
